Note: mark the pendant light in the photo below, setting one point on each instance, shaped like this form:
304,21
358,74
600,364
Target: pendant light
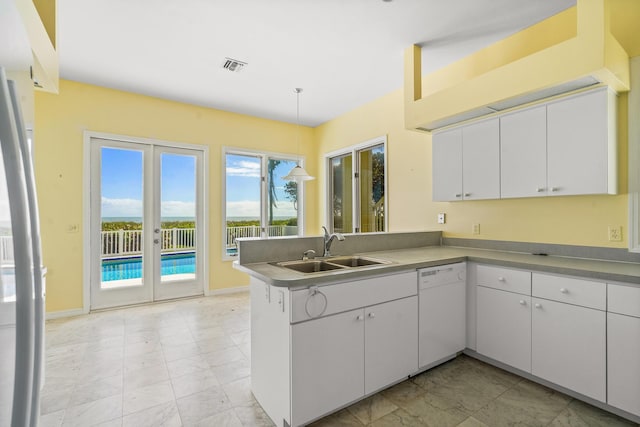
298,173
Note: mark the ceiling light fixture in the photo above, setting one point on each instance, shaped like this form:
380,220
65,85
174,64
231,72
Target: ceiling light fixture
298,173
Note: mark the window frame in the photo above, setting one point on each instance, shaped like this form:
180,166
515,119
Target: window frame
353,151
264,157
634,157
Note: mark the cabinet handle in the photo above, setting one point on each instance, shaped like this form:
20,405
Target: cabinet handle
538,305
539,189
458,195
467,194
501,279
564,290
372,315
523,302
554,189
360,317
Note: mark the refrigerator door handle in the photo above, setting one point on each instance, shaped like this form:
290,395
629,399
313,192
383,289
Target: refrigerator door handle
38,298
23,259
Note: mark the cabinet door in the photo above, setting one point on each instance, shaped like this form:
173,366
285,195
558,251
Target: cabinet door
442,322
623,362
504,327
327,364
523,153
447,165
481,160
391,342
568,347
578,145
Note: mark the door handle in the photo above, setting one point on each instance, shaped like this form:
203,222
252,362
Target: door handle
156,241
156,230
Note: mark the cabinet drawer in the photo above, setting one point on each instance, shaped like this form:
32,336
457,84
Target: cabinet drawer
505,279
350,295
624,300
581,292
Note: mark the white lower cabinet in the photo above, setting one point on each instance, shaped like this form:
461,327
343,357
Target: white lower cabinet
327,365
568,344
623,348
504,327
391,342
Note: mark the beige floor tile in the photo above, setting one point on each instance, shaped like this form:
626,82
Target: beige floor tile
227,418
526,404
224,357
194,382
54,419
163,415
136,378
580,414
372,408
198,406
253,416
188,365
472,422
90,391
175,352
146,397
342,418
232,371
94,413
239,392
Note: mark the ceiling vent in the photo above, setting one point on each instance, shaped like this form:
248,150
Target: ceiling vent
233,65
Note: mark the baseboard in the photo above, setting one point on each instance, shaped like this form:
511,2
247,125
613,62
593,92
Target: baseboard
224,291
64,313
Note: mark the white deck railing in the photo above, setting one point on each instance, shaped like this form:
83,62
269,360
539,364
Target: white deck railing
6,250
234,233
129,242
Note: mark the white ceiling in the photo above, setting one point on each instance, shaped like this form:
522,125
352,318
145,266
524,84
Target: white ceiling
343,53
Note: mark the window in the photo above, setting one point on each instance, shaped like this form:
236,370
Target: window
259,203
357,187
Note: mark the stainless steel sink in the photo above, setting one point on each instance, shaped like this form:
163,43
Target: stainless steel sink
355,261
330,264
309,266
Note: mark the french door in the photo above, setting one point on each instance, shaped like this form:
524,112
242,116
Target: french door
147,226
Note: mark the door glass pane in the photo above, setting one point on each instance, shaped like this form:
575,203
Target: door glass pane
243,199
342,194
121,217
282,199
177,217
371,187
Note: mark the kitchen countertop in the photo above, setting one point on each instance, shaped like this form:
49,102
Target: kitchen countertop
431,256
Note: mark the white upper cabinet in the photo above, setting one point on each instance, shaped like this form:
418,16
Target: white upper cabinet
447,165
481,160
523,153
466,162
559,148
581,144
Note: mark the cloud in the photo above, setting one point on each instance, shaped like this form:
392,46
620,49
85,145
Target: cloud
133,207
121,207
176,208
244,168
250,208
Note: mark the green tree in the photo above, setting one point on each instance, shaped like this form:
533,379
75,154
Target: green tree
273,164
291,188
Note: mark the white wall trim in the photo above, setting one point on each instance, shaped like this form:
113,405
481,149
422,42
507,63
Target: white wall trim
226,291
65,313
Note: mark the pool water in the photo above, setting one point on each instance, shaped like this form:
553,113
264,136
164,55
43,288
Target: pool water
131,268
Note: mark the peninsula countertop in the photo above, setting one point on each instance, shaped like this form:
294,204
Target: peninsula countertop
431,256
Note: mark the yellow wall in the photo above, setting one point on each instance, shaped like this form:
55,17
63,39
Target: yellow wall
576,220
60,123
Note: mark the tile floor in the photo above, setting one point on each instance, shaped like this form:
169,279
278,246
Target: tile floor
186,363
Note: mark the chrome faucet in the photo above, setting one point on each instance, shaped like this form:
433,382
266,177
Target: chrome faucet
328,239
308,254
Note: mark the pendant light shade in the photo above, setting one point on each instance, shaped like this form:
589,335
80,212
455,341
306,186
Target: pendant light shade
298,173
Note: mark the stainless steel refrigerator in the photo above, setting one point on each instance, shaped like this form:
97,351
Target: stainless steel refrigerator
21,274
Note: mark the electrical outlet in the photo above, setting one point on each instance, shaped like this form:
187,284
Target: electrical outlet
615,233
442,218
475,229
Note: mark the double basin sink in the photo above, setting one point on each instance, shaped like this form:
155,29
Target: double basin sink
330,264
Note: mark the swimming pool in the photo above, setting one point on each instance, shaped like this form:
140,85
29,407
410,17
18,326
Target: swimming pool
131,268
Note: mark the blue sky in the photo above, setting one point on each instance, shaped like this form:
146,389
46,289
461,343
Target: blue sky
243,187
122,184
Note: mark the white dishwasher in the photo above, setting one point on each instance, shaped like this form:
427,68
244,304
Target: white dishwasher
442,314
